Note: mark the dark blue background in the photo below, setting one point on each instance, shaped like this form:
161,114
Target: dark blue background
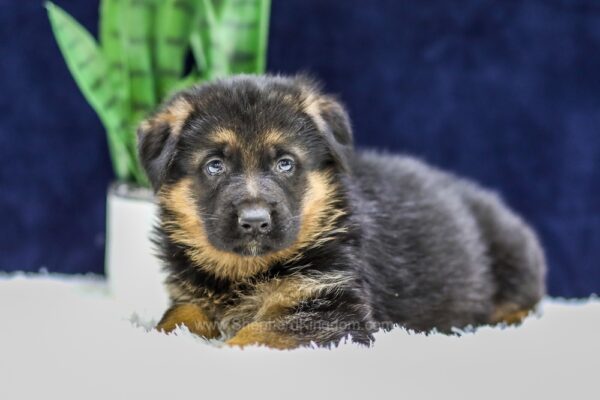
504,91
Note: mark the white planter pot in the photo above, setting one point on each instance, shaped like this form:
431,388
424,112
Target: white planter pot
134,273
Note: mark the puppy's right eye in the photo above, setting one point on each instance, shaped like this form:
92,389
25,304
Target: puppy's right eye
214,167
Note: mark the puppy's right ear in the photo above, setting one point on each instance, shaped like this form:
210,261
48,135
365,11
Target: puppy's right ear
158,137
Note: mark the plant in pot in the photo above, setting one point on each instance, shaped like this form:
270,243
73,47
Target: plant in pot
142,56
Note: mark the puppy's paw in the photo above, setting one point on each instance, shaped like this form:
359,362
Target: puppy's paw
510,314
190,315
259,334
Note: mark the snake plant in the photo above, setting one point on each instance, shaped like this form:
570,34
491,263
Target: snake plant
141,55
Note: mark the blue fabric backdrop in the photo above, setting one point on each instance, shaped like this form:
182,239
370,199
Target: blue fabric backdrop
504,91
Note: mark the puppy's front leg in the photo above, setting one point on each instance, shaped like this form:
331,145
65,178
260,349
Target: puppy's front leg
302,329
263,334
190,315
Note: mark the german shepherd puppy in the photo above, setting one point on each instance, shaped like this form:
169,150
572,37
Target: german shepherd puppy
275,231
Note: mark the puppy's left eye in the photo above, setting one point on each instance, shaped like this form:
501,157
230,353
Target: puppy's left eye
215,167
285,164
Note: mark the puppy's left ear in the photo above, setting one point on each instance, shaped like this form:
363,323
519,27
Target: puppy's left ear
331,119
335,125
158,137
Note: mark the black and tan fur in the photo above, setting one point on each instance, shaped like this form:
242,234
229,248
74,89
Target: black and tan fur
348,242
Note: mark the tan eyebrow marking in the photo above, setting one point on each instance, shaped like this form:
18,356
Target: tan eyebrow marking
271,138
198,157
221,136
225,136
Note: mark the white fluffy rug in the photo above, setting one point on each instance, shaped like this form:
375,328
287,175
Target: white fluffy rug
65,338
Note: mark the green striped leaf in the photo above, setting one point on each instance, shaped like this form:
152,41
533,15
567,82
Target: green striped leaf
201,39
89,69
136,21
231,37
174,22
111,44
243,35
191,79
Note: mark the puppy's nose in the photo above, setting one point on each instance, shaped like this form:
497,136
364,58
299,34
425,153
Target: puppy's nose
254,219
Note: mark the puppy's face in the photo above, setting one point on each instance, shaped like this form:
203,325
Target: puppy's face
250,159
